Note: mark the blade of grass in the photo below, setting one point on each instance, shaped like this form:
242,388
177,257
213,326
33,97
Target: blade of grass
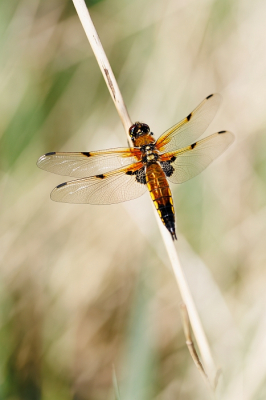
190,344
115,93
103,62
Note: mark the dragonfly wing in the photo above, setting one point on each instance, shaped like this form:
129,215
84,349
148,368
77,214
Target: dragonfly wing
192,127
84,164
182,165
113,187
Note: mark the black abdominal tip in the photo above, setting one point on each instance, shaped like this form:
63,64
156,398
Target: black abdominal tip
173,234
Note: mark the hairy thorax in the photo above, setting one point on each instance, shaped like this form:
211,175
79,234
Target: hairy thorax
143,140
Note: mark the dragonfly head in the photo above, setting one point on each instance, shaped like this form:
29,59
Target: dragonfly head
138,129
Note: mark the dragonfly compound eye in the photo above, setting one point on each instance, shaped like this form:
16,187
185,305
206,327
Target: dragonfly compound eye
139,129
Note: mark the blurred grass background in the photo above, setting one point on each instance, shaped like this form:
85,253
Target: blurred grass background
83,288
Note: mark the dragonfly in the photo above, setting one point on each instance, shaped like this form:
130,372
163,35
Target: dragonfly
122,174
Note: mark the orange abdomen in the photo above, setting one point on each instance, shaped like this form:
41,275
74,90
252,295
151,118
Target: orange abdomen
161,195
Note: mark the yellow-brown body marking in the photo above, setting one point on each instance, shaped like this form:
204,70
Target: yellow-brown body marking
161,195
156,182
143,140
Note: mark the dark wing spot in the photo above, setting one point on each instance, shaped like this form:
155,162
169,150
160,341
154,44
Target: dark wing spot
141,176
101,176
86,153
208,97
193,145
50,154
167,168
221,132
189,116
61,184
172,159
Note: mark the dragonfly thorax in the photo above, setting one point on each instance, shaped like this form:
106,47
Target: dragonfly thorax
148,148
149,154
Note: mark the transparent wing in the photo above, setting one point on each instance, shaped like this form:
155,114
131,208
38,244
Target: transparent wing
191,160
85,164
192,127
113,187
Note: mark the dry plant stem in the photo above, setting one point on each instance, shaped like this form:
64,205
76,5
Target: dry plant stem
103,62
122,111
190,344
187,298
